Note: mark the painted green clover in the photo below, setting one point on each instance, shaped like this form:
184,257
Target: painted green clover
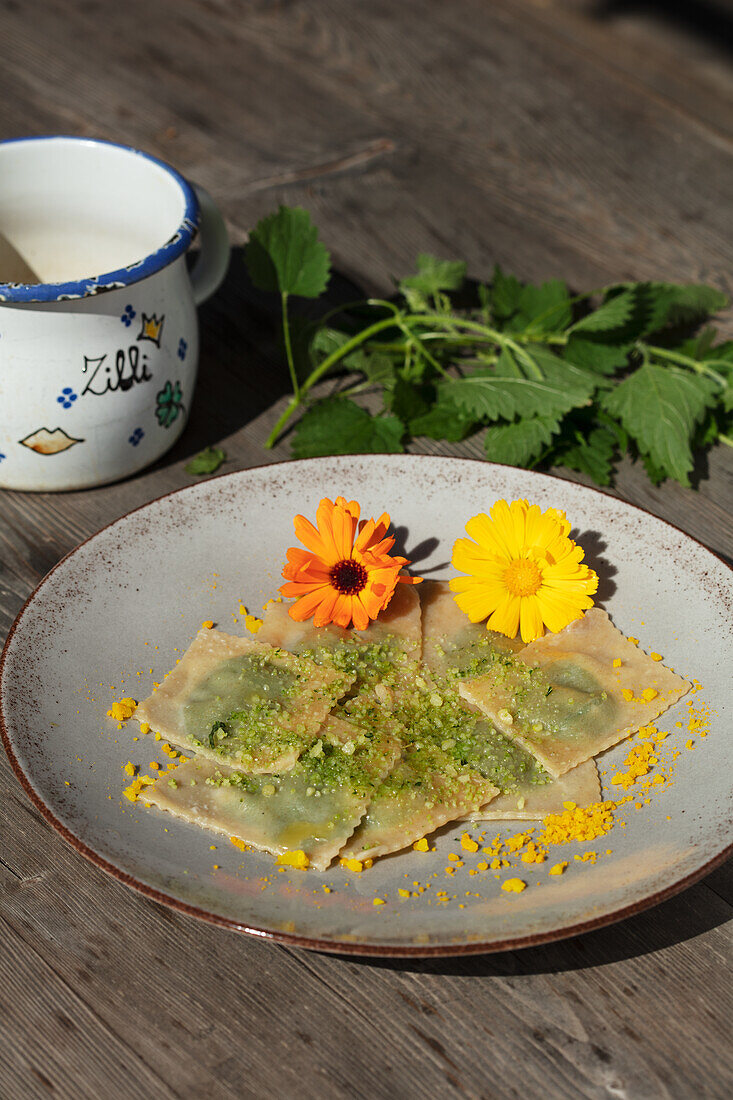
169,403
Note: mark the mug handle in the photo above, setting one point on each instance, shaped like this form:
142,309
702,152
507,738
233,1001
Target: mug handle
210,268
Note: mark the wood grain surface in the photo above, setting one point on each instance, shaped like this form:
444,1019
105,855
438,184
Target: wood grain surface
587,140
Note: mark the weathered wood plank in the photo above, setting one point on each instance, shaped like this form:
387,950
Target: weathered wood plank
526,133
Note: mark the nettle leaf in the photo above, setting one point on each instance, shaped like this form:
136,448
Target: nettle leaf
378,368
544,308
672,304
497,394
590,351
409,401
338,426
520,443
614,314
444,420
660,407
285,256
505,294
206,462
593,455
434,276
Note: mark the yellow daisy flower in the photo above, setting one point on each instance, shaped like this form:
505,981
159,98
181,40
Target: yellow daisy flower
524,573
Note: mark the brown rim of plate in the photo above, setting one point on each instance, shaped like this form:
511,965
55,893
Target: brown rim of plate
339,947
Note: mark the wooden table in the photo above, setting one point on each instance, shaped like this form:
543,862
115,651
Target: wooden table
586,140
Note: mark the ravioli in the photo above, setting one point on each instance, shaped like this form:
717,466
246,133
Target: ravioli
563,699
451,648
239,702
532,801
450,643
424,791
313,808
387,652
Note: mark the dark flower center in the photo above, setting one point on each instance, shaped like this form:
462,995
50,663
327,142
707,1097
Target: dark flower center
349,577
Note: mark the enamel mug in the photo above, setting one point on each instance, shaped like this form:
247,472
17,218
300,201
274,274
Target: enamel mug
98,325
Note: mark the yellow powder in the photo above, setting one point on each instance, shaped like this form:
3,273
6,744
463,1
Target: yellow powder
578,823
559,868
513,885
421,845
122,710
296,858
468,844
639,761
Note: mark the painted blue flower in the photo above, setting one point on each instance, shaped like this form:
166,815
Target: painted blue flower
2,457
127,316
136,436
182,349
67,397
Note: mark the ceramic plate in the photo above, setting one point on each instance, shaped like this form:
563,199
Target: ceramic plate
113,616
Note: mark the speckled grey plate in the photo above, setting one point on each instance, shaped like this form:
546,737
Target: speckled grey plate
114,615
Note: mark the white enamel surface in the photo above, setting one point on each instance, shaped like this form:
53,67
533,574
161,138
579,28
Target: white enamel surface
155,575
76,209
47,348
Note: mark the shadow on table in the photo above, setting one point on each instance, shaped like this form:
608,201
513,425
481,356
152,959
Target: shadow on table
242,367
702,907
708,20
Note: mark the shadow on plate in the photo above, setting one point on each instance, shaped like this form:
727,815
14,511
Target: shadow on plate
594,546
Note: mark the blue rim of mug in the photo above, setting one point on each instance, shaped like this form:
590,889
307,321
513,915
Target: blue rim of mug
124,276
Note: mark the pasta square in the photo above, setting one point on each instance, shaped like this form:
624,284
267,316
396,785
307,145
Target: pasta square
239,702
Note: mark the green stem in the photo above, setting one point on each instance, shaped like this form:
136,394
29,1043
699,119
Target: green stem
685,361
414,339
282,421
382,302
344,350
288,346
725,439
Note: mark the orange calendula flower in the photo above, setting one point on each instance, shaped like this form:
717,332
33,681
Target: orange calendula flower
346,574
524,573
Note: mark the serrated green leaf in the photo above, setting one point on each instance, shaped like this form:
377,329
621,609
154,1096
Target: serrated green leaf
284,255
206,462
505,293
656,474
520,443
590,351
498,395
444,420
544,308
592,455
433,276
408,401
338,426
682,304
660,407
614,315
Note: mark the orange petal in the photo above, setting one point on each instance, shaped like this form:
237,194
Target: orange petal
324,612
311,537
304,607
